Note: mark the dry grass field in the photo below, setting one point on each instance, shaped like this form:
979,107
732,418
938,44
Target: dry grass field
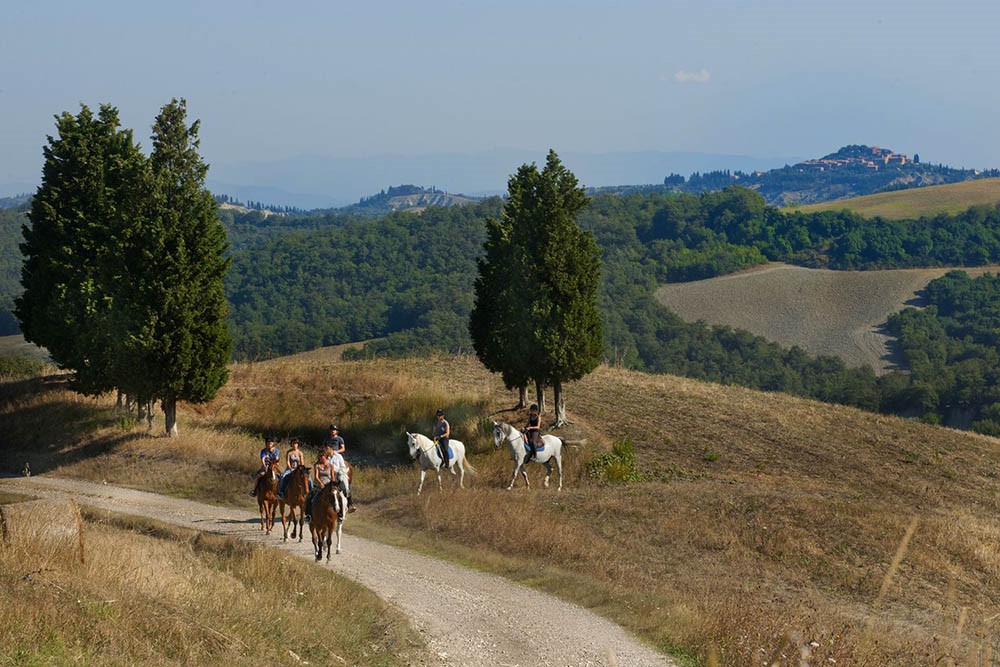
149,595
838,313
766,530
916,202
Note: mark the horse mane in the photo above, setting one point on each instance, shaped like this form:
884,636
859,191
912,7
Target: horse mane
421,437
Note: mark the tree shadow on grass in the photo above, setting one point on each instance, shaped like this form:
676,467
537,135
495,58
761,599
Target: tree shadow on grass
47,435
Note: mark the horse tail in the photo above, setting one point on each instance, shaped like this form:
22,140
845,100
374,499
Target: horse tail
470,468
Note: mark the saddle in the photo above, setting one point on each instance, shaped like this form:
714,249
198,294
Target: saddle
451,452
539,448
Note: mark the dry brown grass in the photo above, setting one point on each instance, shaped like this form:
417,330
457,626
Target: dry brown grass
767,528
838,313
915,202
154,596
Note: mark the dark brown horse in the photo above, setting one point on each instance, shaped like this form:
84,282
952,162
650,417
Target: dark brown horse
267,496
296,491
328,511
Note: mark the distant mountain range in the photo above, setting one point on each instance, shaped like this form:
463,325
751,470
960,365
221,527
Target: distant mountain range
317,182
331,182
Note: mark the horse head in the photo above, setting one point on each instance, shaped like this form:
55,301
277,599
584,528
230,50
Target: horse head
497,435
411,442
274,469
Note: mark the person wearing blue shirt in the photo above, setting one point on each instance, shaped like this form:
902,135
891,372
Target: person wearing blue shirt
267,455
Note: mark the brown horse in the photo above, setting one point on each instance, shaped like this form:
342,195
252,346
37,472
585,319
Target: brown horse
295,498
328,511
267,496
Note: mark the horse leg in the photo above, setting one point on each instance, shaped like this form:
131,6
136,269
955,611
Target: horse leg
461,474
260,507
340,529
559,466
440,486
284,526
513,478
422,473
329,539
548,473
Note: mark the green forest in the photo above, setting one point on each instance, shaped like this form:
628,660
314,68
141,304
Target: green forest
404,283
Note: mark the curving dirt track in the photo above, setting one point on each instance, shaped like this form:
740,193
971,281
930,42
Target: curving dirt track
468,618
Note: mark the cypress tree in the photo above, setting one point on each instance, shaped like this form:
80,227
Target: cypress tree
536,313
82,217
182,346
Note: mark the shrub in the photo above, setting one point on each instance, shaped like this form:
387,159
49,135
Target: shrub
20,366
616,467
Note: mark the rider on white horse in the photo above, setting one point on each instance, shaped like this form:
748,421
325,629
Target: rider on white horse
441,435
532,432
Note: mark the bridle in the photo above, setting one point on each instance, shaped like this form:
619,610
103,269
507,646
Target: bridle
420,450
499,427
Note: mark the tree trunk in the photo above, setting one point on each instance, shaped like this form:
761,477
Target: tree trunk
540,396
560,402
170,416
120,401
522,397
150,416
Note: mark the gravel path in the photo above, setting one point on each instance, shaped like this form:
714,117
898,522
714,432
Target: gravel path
468,618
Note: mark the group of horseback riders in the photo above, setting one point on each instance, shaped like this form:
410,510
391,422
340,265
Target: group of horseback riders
330,466
532,434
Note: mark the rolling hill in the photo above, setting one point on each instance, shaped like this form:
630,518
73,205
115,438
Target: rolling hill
757,525
824,312
916,202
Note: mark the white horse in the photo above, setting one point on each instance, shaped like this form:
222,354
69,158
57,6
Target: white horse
550,450
423,448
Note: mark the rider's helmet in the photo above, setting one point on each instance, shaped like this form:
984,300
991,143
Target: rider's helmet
533,406
439,412
333,427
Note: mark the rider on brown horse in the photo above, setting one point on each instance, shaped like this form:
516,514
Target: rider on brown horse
267,455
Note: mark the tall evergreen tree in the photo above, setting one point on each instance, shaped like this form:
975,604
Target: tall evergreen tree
81,218
183,343
536,310
497,317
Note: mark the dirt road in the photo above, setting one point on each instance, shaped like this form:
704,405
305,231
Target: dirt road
468,618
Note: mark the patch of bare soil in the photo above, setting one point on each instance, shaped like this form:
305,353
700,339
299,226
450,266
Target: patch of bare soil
824,312
469,618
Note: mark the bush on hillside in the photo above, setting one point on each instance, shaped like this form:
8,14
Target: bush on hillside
617,467
20,366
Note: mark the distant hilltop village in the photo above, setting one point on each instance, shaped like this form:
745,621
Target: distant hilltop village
869,157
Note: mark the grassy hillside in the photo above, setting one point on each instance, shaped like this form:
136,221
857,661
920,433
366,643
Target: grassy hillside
147,595
914,203
838,313
764,526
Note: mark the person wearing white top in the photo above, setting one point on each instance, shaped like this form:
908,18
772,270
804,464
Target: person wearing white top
340,474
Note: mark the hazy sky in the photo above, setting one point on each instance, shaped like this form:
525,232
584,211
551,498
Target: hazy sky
282,79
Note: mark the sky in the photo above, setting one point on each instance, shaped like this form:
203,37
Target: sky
273,81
